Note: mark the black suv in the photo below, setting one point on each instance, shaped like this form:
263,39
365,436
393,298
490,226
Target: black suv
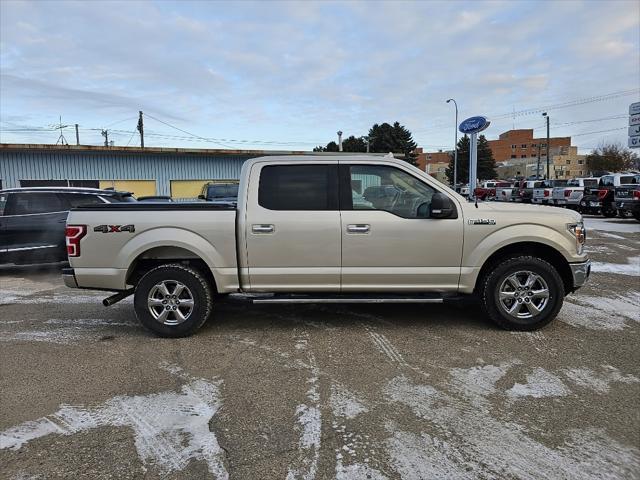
32,220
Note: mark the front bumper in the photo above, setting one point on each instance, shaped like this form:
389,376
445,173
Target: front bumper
69,278
580,273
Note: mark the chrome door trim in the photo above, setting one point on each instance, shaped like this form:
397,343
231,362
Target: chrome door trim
20,249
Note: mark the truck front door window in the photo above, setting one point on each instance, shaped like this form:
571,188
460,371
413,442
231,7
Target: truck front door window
378,187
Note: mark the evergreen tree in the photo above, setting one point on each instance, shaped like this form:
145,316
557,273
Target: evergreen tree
486,162
394,138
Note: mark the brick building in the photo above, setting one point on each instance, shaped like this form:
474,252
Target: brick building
434,163
520,144
568,164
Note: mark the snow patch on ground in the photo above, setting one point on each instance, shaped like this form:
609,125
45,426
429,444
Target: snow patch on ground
344,403
598,381
496,449
539,384
309,421
357,471
601,313
478,382
632,267
170,428
418,457
604,225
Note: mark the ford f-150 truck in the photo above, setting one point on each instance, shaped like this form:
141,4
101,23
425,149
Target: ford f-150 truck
329,229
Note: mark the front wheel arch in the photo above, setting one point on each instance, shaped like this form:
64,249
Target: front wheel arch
534,249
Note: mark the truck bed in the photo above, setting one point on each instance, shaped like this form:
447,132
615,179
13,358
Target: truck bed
120,235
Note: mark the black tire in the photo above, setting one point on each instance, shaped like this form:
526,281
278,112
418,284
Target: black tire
636,215
494,279
197,288
622,213
609,212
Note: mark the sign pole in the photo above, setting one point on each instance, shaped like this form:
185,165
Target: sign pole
473,164
472,126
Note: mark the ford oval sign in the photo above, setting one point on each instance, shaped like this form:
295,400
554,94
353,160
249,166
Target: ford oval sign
474,125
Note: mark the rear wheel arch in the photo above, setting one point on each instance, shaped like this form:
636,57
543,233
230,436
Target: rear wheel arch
534,249
164,255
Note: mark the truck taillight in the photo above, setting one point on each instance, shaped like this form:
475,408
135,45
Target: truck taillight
73,234
546,193
567,193
602,194
636,194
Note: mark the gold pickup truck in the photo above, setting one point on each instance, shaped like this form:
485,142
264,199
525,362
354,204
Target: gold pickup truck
328,229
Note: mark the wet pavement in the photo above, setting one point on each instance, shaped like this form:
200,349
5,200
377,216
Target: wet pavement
309,391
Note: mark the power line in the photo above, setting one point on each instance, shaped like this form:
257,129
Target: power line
532,111
183,131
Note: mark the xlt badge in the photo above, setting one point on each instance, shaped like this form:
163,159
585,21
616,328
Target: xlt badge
482,221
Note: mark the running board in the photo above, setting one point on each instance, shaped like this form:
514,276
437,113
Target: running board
345,298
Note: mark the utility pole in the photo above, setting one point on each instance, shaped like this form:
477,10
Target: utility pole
141,129
455,146
77,135
538,166
339,140
547,117
105,134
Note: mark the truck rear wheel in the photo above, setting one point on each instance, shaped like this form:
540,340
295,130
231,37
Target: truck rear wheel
522,293
173,300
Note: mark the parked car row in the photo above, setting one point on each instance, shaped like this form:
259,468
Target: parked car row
609,195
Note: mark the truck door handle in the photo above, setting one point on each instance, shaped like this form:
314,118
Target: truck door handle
358,228
262,228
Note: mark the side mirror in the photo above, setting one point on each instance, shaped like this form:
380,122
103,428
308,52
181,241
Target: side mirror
442,207
201,197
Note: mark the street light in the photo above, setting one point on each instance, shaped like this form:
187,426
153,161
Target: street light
455,147
547,117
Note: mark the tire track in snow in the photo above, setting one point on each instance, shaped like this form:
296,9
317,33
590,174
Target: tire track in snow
170,428
309,418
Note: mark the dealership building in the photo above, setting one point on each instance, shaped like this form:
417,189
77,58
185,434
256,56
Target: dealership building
178,172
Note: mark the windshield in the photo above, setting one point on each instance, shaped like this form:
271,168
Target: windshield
590,182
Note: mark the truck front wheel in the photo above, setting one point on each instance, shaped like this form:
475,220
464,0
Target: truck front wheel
522,293
173,300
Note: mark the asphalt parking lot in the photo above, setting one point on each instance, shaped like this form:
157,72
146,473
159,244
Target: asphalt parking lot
304,392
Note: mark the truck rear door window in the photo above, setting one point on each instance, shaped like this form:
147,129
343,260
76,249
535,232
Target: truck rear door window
299,187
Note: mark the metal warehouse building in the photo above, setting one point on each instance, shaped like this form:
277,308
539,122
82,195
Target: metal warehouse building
178,172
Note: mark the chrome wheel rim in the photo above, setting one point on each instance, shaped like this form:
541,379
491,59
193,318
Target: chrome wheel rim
170,302
523,295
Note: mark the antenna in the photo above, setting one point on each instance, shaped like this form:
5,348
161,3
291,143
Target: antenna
61,140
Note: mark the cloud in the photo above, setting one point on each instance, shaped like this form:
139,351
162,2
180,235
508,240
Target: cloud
301,70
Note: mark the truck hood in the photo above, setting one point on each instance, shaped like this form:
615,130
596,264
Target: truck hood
520,212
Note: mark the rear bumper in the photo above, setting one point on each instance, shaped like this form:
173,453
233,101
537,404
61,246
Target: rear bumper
69,278
630,205
580,272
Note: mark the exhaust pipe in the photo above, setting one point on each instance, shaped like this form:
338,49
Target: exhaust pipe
107,302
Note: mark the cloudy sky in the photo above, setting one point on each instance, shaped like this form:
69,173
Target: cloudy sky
288,75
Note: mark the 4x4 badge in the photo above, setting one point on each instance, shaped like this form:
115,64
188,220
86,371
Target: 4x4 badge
114,228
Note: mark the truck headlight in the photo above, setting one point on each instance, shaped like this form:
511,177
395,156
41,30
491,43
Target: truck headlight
580,234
